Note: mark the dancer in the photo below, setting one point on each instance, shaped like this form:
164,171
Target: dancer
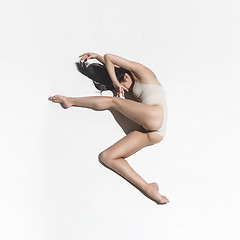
144,104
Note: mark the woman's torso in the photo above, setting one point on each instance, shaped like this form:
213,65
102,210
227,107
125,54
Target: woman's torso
146,77
148,91
152,94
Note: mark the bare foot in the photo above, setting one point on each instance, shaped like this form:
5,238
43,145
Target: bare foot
153,193
64,101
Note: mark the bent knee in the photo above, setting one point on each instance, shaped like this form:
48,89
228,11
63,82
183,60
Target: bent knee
104,157
153,120
154,137
153,125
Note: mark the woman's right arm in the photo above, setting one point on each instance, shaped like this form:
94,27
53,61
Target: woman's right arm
100,59
89,55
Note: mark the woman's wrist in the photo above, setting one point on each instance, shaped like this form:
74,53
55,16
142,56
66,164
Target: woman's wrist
116,84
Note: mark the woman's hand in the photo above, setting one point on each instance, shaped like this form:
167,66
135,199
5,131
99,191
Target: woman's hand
88,55
120,89
114,91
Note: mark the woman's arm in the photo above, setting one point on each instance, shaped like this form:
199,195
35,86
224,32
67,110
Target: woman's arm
140,71
111,71
121,62
111,60
89,55
100,59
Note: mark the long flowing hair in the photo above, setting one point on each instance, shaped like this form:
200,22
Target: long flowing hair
99,75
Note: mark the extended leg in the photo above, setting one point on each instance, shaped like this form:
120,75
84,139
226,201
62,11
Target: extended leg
113,158
148,116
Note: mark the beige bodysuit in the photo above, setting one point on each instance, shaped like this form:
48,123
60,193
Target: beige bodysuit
152,94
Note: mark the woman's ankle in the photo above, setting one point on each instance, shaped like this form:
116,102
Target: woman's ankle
70,101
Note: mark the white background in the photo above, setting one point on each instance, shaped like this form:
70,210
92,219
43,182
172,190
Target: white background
52,185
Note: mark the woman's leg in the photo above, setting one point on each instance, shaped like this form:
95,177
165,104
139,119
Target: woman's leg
114,159
148,116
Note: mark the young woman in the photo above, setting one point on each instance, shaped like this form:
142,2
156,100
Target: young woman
144,104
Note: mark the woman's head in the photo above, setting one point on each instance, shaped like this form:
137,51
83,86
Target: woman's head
124,77
100,77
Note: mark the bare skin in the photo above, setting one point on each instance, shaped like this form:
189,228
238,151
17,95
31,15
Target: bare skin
147,116
114,157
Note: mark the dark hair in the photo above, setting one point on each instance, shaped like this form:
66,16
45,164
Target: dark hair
99,75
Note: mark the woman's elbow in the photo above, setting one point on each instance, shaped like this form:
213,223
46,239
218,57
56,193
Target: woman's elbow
106,56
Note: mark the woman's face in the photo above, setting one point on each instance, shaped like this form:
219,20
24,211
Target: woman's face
127,81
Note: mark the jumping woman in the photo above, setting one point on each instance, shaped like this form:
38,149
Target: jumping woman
142,113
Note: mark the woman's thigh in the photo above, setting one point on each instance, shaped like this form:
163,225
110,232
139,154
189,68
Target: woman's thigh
148,116
128,145
126,123
128,126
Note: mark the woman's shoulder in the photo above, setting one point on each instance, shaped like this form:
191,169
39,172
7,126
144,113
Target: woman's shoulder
144,75
147,79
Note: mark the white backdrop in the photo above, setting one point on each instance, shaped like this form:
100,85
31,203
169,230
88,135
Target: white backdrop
52,185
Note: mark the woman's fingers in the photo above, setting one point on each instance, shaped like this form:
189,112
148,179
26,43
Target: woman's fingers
126,89
84,54
121,91
87,56
122,88
82,57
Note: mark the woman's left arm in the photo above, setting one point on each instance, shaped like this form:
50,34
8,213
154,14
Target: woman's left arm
110,60
111,71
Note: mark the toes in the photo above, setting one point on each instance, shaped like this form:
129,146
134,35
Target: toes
165,200
52,97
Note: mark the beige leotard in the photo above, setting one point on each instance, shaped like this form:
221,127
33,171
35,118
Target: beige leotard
152,94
